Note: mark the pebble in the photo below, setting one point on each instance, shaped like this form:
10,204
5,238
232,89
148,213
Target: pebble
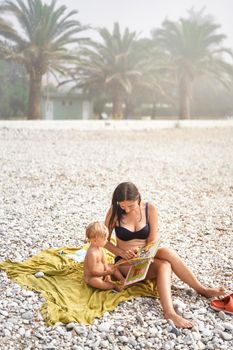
179,304
207,333
169,345
226,336
28,315
39,274
189,338
123,339
27,333
201,346
222,315
39,335
190,292
188,315
228,326
70,326
21,331
110,338
202,311
218,328
4,313
28,293
50,347
120,329
196,336
6,332
140,319
137,332
175,331
153,331
79,329
8,325
132,342
104,327
104,344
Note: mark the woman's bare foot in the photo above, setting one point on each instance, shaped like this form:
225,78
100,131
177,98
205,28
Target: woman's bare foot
179,321
212,292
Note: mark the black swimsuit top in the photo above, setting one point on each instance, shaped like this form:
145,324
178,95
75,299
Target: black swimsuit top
126,235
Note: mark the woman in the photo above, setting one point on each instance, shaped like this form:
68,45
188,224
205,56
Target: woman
136,224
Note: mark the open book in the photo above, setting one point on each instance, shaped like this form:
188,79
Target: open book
140,264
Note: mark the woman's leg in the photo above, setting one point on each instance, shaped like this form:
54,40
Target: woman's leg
185,274
161,270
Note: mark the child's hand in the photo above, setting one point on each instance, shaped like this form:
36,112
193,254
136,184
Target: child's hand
107,278
110,270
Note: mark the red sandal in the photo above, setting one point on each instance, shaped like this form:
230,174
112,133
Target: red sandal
225,304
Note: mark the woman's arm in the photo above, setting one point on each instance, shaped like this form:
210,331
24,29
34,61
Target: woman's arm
153,223
114,249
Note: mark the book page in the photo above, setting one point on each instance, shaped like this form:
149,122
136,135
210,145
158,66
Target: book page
137,271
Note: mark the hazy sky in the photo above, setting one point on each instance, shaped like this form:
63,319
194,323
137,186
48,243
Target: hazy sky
143,15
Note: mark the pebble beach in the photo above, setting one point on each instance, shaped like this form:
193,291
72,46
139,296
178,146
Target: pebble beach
54,182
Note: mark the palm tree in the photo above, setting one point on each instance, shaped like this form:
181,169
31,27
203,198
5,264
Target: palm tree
155,82
4,25
5,28
195,49
112,66
41,42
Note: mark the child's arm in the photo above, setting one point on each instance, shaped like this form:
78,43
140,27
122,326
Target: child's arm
104,261
110,269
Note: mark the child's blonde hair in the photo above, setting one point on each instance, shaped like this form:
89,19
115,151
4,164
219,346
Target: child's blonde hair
96,229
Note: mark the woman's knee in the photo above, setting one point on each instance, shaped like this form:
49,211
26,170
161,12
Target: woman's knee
161,264
165,253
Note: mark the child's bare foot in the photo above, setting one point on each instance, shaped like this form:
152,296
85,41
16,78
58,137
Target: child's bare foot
119,287
179,321
212,292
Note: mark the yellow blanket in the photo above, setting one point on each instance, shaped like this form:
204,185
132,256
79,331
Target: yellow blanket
67,297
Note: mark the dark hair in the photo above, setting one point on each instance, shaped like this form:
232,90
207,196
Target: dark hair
125,191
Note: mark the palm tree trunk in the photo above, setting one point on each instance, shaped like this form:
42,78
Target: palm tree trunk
129,108
34,106
185,96
154,110
117,108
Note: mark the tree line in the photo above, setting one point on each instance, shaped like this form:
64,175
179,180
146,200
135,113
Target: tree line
120,68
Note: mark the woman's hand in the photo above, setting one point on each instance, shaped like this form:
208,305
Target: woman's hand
128,254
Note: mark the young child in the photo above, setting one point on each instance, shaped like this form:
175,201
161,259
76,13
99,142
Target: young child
97,272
